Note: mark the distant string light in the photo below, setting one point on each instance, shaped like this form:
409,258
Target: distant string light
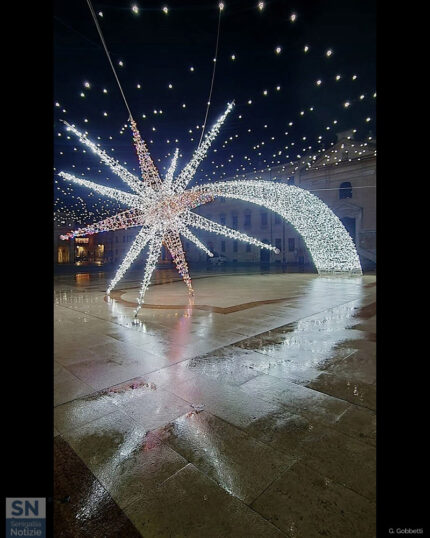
257,100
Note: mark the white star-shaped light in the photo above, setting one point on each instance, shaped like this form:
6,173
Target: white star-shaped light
163,208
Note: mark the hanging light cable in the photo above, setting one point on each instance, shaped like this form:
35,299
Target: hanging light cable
213,75
108,55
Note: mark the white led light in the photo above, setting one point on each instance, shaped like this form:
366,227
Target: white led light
163,210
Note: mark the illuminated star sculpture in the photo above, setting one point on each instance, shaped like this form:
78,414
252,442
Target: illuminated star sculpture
161,207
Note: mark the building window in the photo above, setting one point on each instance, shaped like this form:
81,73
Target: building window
248,247
222,246
291,244
222,199
290,181
235,222
123,238
278,244
263,219
222,219
234,246
345,190
248,219
278,218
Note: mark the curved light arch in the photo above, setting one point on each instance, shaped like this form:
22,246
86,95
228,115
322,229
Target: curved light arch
330,245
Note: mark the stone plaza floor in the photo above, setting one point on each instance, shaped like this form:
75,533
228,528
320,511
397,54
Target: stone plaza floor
248,411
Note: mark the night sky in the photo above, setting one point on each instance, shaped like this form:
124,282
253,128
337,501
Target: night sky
158,49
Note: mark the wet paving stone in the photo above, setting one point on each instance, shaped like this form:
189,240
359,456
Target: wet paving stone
366,312
191,505
358,422
82,506
304,503
225,401
351,390
356,366
124,458
147,404
78,412
227,365
68,387
233,370
225,454
298,399
101,373
346,460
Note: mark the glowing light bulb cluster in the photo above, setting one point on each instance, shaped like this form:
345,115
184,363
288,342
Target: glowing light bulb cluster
163,210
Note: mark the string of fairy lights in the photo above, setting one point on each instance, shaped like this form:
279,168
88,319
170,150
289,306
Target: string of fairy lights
282,153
